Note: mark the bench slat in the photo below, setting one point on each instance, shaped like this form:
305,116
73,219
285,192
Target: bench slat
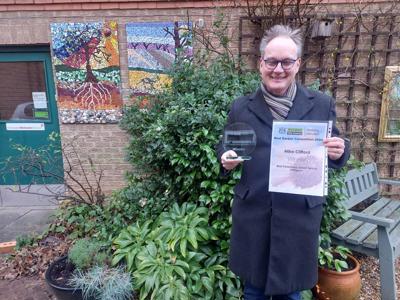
366,229
372,240
361,185
350,226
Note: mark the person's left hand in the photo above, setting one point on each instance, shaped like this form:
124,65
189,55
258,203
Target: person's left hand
335,146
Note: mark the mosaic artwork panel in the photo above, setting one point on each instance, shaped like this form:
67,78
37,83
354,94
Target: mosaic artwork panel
86,62
152,50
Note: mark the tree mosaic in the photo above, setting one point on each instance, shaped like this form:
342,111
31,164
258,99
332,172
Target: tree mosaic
152,50
86,60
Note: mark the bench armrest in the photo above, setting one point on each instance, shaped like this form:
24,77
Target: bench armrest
389,181
385,222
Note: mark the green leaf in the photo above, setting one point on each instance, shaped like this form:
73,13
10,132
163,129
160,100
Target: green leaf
117,258
60,229
183,247
207,283
124,243
180,272
152,249
191,237
203,233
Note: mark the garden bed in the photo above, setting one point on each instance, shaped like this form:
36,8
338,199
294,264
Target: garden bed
34,287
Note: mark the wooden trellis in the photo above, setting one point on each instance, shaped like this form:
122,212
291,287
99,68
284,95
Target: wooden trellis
350,65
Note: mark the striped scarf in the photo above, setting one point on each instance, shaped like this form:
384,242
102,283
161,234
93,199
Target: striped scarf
280,105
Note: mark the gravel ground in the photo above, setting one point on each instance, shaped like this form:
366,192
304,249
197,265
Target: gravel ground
370,282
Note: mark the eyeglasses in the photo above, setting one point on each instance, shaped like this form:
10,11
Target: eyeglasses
286,64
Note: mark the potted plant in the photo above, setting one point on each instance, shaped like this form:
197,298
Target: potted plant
338,273
85,274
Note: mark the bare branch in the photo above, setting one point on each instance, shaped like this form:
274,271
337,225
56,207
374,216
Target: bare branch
83,186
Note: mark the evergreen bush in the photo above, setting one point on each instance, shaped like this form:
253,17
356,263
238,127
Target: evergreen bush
176,256
174,136
172,149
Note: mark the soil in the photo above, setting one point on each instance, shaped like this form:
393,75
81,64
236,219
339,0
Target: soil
61,273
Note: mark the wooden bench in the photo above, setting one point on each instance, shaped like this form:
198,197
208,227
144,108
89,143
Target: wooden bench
376,230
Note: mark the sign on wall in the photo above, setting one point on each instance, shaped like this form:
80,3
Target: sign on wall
86,61
152,50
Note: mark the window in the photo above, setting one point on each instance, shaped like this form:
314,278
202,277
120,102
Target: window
23,91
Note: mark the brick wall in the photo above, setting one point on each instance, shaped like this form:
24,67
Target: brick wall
68,5
33,27
105,145
29,24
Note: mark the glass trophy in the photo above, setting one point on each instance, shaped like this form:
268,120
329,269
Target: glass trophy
241,138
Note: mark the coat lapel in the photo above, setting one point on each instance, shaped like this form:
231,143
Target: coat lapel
259,107
302,104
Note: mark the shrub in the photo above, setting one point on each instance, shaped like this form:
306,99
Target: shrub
176,174
25,240
43,165
103,223
94,275
173,140
103,283
177,257
85,254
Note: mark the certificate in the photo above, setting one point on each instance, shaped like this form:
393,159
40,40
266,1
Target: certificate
299,163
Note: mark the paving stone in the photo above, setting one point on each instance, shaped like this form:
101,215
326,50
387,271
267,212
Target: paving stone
38,195
25,288
32,221
8,215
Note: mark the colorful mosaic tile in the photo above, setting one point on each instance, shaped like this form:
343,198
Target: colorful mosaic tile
86,61
152,50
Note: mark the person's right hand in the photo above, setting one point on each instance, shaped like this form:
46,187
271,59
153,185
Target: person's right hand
227,162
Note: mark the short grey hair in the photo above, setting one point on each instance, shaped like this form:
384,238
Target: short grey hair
284,31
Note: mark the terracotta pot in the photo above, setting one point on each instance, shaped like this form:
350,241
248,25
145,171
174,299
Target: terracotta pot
333,285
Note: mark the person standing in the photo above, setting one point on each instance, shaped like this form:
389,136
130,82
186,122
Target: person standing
274,238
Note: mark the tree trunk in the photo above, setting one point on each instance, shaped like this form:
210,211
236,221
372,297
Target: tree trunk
89,74
177,39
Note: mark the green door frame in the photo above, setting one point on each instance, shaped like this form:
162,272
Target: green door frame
30,53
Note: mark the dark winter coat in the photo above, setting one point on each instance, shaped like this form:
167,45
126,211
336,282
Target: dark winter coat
274,239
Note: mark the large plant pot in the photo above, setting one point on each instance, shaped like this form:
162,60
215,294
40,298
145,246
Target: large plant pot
335,285
61,291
